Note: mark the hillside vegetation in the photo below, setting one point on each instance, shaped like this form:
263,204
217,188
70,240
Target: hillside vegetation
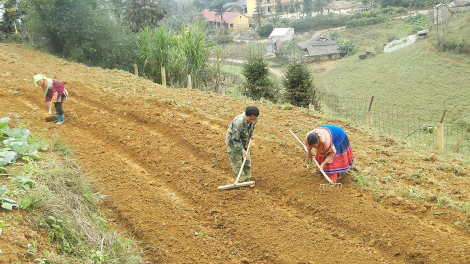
416,81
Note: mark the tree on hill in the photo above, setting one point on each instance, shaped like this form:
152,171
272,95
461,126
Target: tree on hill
87,33
396,3
219,7
279,7
307,7
257,83
202,4
318,6
259,13
178,13
298,83
10,16
139,14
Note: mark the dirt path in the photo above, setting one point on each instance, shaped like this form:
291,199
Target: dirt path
159,154
426,47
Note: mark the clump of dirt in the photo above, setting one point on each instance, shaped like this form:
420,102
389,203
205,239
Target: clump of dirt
159,156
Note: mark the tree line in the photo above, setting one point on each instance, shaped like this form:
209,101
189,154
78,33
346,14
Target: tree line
162,37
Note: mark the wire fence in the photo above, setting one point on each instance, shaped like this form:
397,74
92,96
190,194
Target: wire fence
414,126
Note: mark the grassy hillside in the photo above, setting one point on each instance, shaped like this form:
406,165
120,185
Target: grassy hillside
416,81
410,77
415,72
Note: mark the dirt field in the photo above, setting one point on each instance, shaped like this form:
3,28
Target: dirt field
159,155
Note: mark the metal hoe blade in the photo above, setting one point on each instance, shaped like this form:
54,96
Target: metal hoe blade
331,185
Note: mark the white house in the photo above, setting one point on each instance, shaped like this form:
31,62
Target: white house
277,36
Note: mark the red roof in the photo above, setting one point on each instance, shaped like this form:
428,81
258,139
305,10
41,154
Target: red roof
227,16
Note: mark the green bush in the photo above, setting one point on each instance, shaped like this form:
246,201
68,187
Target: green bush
86,34
265,30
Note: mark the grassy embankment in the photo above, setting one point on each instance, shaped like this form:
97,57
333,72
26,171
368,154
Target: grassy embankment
50,194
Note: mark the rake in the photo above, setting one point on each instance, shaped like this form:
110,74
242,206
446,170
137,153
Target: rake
236,184
323,185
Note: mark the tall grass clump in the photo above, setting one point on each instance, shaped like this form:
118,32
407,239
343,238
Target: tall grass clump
181,55
155,51
64,205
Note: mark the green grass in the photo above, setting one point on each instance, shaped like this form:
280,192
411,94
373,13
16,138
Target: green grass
59,196
412,85
409,77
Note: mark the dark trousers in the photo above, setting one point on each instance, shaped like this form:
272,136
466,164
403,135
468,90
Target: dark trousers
58,106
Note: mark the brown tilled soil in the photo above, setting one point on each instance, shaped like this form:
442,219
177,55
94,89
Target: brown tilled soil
159,155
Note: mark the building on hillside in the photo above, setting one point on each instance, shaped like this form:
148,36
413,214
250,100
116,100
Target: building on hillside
230,20
340,5
277,36
459,6
237,7
319,48
268,7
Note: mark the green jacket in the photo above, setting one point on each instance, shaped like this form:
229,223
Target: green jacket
238,134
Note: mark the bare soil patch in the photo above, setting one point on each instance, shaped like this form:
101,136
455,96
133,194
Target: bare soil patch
159,155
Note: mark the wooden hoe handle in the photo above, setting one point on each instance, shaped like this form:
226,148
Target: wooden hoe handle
316,162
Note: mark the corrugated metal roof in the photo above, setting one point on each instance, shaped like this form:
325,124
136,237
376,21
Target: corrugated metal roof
319,45
279,32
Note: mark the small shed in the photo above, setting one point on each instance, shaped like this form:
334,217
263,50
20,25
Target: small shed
423,33
277,36
320,48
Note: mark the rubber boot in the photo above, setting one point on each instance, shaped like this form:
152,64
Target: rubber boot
57,120
246,176
333,177
60,119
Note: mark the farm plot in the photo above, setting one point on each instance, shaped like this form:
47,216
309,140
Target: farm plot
159,155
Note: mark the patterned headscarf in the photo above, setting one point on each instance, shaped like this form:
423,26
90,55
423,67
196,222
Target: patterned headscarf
39,77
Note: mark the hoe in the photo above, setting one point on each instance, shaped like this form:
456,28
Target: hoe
236,184
50,118
323,185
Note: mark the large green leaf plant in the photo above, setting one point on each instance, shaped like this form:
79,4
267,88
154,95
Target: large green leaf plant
16,143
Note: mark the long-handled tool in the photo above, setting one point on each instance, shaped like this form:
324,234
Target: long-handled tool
316,162
236,184
51,118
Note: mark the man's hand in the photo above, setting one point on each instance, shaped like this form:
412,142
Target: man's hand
245,154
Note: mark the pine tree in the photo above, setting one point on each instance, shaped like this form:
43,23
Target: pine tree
257,83
298,84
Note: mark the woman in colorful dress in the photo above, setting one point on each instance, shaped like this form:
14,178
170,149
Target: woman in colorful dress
54,92
333,151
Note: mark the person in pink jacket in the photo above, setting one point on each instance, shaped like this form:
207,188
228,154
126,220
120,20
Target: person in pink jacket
54,92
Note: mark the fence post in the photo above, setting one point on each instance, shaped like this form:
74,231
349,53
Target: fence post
189,82
440,133
163,76
136,69
369,114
